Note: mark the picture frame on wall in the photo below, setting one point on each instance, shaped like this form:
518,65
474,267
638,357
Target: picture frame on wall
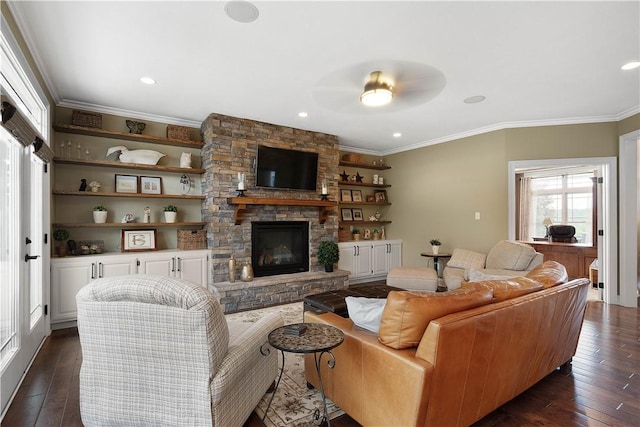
151,185
380,196
345,195
126,183
356,195
357,214
138,240
371,198
346,214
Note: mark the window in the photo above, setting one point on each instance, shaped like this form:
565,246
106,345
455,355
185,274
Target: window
557,198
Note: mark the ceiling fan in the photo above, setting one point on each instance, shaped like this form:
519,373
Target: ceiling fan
410,84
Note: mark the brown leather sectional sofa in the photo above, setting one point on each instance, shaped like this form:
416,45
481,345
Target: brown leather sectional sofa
466,363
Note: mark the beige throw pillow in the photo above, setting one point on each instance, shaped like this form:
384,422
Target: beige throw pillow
508,255
463,258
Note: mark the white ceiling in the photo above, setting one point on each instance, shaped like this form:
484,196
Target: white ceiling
537,63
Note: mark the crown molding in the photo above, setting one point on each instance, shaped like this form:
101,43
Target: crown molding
628,113
128,113
513,125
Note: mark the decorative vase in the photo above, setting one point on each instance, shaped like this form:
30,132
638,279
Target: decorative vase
376,236
170,216
232,269
99,217
328,268
95,189
434,249
61,250
246,275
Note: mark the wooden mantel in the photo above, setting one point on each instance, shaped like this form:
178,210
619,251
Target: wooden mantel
241,204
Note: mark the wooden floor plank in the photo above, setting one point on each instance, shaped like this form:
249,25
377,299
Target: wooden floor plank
602,388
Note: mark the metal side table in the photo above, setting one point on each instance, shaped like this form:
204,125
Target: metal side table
316,338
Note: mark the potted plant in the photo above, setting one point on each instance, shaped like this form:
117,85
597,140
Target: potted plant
376,234
355,233
95,186
435,245
170,213
328,254
99,214
61,235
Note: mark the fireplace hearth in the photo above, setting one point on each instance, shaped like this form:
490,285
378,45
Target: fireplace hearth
279,247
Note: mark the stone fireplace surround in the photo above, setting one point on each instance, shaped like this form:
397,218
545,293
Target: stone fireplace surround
230,146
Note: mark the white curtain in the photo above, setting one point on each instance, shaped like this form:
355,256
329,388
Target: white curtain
523,208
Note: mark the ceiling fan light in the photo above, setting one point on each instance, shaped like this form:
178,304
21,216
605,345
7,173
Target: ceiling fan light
376,92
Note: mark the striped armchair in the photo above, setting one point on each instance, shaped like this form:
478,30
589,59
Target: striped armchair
158,351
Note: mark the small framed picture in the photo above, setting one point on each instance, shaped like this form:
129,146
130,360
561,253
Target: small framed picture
346,214
151,185
138,240
371,198
356,195
345,195
380,196
126,183
357,214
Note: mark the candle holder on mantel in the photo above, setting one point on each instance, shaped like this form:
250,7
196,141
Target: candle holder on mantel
325,190
242,186
241,193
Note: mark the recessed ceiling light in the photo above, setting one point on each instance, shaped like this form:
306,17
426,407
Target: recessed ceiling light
241,11
303,114
630,65
147,80
474,99
397,135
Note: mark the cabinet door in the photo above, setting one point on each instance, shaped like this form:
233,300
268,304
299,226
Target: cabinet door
120,266
380,258
395,254
66,280
363,264
347,257
193,268
163,265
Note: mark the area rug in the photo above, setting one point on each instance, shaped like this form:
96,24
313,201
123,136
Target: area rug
294,404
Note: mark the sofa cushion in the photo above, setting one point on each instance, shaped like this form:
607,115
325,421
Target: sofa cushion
508,288
510,255
408,313
549,273
464,258
479,276
366,312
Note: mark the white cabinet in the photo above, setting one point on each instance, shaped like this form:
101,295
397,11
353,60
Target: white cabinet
188,265
70,274
371,259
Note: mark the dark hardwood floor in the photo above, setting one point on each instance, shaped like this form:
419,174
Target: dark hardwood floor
602,388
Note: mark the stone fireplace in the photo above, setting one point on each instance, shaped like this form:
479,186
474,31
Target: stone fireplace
230,147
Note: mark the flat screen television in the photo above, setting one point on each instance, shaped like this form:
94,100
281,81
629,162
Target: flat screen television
290,169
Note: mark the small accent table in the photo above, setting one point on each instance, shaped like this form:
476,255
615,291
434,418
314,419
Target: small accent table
435,260
318,339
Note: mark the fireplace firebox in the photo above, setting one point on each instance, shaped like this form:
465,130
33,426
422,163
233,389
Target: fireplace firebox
279,247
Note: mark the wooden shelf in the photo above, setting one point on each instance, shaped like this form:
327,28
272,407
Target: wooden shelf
138,166
362,184
128,224
241,204
136,195
363,222
364,203
80,130
364,166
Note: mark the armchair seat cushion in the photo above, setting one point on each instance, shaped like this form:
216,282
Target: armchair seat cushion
508,255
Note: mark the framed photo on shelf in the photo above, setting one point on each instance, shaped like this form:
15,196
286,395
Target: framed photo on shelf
357,214
151,185
356,195
345,195
347,215
138,240
380,196
371,198
126,183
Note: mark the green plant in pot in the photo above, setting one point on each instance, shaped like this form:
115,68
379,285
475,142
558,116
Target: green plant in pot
170,213
328,254
435,245
375,233
61,235
99,214
356,234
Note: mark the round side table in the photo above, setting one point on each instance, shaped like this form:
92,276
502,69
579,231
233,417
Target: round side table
316,338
